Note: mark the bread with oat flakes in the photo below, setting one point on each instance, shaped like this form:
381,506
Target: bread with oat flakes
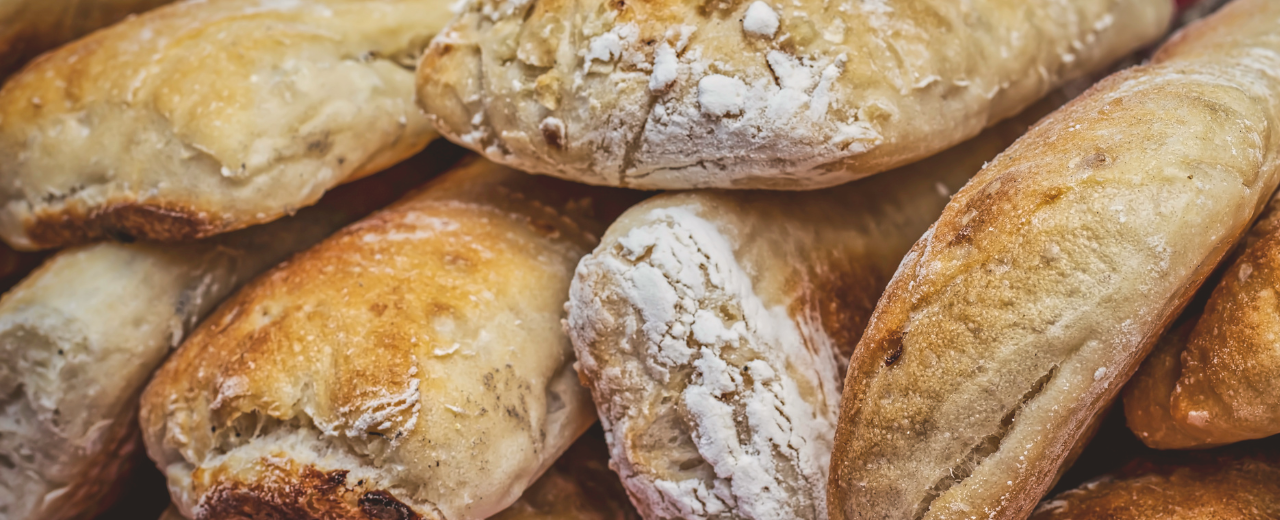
755,94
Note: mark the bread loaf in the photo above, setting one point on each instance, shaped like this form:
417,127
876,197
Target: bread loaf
579,486
204,117
755,94
1016,319
1214,382
30,27
80,337
712,328
1240,484
410,366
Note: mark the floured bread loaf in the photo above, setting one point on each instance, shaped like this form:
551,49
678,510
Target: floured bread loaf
579,486
1215,382
80,337
1013,323
412,365
204,117
1239,484
30,27
713,327
755,94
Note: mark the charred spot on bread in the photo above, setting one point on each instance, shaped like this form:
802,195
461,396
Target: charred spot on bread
380,505
288,493
123,221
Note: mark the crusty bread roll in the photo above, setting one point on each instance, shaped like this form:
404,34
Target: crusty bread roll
1016,319
1214,382
713,327
80,336
579,486
203,117
755,94
30,27
1229,485
411,364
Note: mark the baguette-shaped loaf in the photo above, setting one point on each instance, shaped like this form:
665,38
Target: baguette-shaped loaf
755,94
1238,484
1014,322
713,328
30,27
412,365
203,117
81,335
1216,383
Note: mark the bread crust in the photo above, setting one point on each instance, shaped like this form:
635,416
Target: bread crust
1017,317
579,486
1238,484
30,27
769,292
670,95
81,335
418,353
203,117
1214,384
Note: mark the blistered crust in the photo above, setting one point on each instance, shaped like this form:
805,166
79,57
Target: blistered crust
419,351
1015,320
712,328
203,117
742,94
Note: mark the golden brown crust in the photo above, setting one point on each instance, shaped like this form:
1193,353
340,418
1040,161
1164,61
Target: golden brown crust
419,350
30,27
1047,279
1215,384
203,117
769,94
1238,484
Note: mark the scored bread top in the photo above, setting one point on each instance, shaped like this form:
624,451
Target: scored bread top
412,365
203,117
1014,321
755,94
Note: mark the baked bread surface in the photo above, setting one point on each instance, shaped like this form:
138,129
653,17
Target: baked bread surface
410,366
713,326
1215,383
30,27
1237,484
1015,320
203,117
80,337
755,94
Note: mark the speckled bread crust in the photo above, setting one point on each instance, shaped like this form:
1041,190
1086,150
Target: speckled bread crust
1234,485
754,94
410,366
579,486
30,27
1015,320
1216,383
713,327
80,337
207,116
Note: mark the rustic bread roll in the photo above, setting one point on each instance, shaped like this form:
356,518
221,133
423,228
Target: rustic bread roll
712,328
1233,485
1215,383
755,94
1017,318
204,117
80,337
30,27
579,486
412,365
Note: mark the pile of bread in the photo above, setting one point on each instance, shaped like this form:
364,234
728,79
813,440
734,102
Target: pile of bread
906,256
